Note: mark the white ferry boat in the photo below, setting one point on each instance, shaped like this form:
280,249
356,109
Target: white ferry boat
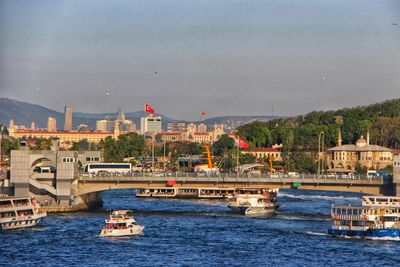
158,192
182,192
19,212
378,217
121,223
380,201
215,193
252,201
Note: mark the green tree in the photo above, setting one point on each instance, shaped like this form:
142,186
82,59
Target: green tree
8,144
80,146
256,134
224,145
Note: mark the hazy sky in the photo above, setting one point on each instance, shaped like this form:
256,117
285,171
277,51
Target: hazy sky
223,57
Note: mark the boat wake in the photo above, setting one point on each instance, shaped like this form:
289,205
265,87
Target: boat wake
316,233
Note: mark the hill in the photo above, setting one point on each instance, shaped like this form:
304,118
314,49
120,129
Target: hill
24,113
381,119
232,122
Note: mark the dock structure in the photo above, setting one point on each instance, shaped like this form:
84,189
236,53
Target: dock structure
71,190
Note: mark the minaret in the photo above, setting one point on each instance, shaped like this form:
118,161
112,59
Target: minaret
339,138
368,137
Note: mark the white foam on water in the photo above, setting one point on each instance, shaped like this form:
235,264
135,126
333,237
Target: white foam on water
317,233
386,238
301,218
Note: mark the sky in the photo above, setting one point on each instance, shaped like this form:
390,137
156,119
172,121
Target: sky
267,57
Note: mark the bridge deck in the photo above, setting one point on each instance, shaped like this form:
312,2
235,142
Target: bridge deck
89,184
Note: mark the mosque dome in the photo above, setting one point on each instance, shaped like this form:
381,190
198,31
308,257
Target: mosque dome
361,142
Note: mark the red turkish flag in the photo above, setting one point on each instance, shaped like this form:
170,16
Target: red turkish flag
148,108
202,113
241,143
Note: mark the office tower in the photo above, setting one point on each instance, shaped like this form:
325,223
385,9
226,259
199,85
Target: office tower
150,124
51,124
68,118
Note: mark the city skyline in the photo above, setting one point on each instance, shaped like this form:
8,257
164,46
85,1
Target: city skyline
224,58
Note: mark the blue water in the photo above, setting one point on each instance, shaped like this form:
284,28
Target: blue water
198,232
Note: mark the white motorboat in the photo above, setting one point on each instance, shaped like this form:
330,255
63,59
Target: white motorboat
121,223
19,212
252,201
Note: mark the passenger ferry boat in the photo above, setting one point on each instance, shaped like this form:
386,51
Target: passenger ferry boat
173,192
19,212
216,193
249,201
121,223
377,217
162,192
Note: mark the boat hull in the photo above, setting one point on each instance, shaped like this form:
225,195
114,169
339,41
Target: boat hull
247,210
370,233
16,224
122,232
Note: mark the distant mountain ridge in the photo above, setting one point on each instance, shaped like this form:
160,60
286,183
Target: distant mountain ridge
24,113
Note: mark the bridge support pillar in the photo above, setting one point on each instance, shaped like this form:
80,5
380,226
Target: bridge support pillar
88,201
396,189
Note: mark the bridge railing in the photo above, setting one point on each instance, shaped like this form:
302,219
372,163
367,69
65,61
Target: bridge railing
232,177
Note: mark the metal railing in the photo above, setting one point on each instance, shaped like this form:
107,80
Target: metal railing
232,177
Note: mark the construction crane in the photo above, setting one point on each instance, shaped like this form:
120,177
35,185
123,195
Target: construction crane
208,167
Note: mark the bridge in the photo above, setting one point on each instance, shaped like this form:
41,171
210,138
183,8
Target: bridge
90,184
68,187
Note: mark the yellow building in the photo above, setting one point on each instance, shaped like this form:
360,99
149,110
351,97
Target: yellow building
347,157
264,153
190,135
72,136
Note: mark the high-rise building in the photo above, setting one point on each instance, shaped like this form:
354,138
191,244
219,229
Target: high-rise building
104,125
68,118
174,126
128,126
51,124
150,124
121,115
33,125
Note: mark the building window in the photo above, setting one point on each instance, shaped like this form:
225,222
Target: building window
68,159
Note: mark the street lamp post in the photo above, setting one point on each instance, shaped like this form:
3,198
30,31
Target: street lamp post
164,159
152,150
319,152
